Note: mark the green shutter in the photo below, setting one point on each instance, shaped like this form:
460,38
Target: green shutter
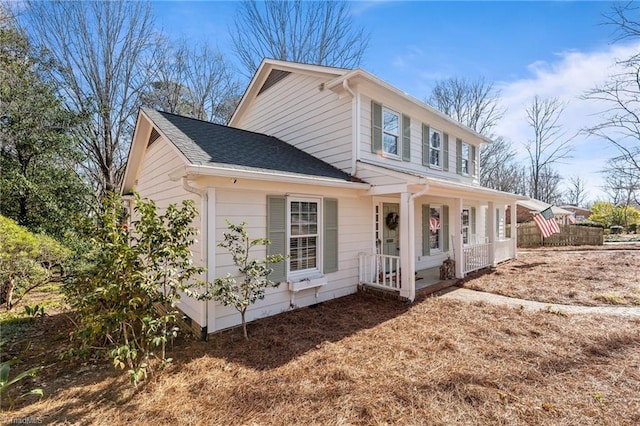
445,152
406,138
445,228
330,240
426,215
277,234
473,160
459,156
425,145
472,219
376,127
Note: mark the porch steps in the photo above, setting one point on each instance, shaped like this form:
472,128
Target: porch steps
394,295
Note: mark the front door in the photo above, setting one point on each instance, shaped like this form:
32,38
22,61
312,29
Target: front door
390,229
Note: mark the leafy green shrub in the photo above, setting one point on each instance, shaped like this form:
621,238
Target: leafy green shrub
6,382
26,260
127,298
255,272
633,228
35,311
616,229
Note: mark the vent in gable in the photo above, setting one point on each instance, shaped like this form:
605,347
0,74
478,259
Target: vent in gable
274,77
153,137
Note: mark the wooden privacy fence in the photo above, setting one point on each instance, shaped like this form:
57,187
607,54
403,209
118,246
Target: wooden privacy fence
529,235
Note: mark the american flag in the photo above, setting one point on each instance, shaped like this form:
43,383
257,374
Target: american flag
434,224
572,218
547,224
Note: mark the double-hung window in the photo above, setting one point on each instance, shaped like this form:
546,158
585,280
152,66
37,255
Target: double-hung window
304,235
466,221
390,131
435,148
465,154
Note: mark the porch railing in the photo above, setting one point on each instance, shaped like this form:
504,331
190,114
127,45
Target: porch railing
380,270
476,257
504,250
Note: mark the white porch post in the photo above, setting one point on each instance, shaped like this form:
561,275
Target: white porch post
407,247
456,230
514,230
491,230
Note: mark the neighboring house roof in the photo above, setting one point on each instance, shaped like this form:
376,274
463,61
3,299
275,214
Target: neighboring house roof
578,210
538,206
204,143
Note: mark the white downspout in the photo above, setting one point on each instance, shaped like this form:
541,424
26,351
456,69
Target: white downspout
204,196
355,144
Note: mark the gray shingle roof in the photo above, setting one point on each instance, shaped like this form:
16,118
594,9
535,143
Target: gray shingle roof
205,143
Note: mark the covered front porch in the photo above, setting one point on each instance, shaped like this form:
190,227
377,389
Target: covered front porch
419,226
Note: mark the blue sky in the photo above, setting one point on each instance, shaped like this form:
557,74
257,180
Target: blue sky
556,49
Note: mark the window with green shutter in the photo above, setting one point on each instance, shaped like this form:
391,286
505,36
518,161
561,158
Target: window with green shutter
406,138
330,240
277,234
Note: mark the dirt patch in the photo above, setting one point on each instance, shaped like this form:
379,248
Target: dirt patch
573,277
362,360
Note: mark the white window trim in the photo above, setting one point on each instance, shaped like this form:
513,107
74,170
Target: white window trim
462,226
440,149
468,158
310,272
398,135
438,250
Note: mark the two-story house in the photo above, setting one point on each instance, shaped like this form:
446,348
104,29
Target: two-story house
356,182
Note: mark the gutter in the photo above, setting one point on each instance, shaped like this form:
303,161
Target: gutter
355,146
271,176
204,195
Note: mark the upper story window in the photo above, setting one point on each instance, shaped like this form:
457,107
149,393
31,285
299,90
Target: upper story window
466,158
435,148
465,154
390,131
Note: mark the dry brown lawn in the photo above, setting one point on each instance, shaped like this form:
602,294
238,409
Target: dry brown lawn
577,276
361,360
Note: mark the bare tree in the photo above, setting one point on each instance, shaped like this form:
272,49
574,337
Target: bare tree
497,166
548,186
312,32
474,103
550,143
101,49
620,123
622,183
576,194
193,80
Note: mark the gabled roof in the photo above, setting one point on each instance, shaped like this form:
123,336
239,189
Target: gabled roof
272,71
209,144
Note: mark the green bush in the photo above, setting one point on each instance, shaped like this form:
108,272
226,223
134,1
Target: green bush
26,260
616,229
127,298
633,228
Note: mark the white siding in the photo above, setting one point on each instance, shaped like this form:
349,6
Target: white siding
355,230
154,183
316,121
415,165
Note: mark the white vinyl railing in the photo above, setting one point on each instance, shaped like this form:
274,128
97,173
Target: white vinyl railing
476,257
503,250
380,270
